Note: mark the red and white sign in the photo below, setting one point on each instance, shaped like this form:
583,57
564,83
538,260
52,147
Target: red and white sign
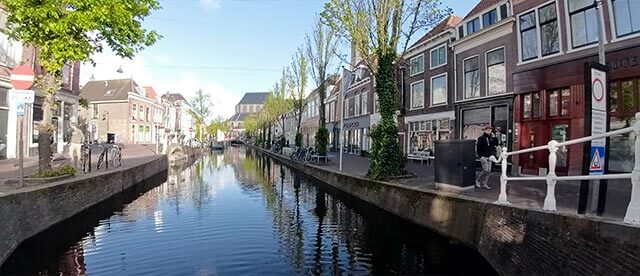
22,77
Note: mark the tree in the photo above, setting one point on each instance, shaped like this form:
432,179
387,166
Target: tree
321,51
65,31
199,109
376,28
218,124
298,81
279,102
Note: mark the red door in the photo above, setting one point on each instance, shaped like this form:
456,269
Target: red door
533,135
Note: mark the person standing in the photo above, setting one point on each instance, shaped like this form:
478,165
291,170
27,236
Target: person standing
75,144
485,148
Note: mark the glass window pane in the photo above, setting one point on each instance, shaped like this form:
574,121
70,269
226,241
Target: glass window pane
495,57
442,55
471,64
547,13
417,95
634,5
613,97
622,14
439,90
529,44
473,26
536,105
472,84
553,103
496,77
566,102
434,58
579,4
578,30
591,16
526,106
489,18
503,11
549,38
628,100
527,20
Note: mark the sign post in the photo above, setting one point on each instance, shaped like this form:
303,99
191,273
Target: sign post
596,122
22,77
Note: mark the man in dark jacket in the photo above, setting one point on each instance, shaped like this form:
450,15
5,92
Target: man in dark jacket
485,148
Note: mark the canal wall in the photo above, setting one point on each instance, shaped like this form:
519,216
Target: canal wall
30,211
514,240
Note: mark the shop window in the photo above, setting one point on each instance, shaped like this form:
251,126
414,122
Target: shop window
625,22
559,102
471,78
496,72
473,120
583,21
422,135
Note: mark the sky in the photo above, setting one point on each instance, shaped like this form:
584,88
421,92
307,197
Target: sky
224,47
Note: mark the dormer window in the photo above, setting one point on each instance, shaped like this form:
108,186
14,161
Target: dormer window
110,92
489,18
473,26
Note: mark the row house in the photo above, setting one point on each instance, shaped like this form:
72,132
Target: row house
12,54
428,85
108,101
360,107
311,114
554,40
310,119
175,116
332,105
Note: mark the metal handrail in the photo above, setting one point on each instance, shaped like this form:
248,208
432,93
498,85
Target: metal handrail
632,215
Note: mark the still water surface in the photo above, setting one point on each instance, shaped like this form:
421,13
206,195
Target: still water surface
239,213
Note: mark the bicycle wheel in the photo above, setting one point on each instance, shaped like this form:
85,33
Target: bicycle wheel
117,158
307,158
100,160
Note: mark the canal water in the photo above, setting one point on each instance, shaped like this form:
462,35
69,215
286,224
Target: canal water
239,213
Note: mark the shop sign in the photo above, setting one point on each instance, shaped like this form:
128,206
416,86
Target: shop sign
355,123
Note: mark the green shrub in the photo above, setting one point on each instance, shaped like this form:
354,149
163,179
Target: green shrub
54,172
322,141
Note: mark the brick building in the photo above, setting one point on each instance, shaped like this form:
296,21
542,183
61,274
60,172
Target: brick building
122,107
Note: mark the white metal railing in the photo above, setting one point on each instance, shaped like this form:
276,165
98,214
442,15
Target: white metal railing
632,215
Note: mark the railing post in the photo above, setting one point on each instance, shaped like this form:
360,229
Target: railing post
550,199
633,211
502,198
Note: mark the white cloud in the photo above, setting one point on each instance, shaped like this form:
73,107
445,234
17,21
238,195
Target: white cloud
211,4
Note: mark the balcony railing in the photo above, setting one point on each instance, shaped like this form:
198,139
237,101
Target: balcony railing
632,215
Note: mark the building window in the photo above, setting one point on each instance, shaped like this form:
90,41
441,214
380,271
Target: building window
461,32
626,23
539,39
134,111
623,98
531,106
133,133
95,111
438,56
376,103
503,11
496,72
146,114
473,26
422,135
526,106
140,112
559,102
365,100
439,89
417,65
358,98
489,18
584,24
417,95
471,78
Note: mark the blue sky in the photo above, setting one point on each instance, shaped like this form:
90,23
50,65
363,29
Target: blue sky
207,42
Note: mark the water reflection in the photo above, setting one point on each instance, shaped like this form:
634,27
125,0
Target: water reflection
242,213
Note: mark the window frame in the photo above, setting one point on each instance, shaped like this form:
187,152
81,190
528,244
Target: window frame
496,17
613,26
569,29
487,65
446,90
477,18
437,48
464,78
560,98
411,107
411,65
535,10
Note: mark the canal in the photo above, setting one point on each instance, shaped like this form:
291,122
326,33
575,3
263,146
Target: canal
239,213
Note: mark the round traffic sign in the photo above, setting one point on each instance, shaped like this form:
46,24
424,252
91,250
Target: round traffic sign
597,90
22,77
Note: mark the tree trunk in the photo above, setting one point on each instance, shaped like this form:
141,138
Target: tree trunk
45,130
321,97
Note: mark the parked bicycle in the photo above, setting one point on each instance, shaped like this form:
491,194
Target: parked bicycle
85,158
111,154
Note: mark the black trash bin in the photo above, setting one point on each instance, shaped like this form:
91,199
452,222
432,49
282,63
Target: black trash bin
455,163
111,138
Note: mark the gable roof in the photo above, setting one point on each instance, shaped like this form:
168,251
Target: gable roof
448,23
108,90
254,98
172,97
151,93
483,5
239,117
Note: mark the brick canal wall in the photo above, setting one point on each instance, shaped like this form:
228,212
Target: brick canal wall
515,241
27,213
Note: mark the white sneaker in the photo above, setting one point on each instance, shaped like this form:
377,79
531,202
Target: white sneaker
486,187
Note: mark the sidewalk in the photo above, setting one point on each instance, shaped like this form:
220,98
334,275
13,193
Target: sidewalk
529,194
131,155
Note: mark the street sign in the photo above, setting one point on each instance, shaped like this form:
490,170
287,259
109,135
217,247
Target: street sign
598,110
596,166
25,96
20,109
22,77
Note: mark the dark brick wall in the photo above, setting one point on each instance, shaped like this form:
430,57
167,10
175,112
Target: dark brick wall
514,240
24,214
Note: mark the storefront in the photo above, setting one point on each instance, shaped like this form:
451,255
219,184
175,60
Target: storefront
356,135
423,130
551,106
496,112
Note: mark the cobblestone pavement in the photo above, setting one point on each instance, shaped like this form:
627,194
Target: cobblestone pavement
529,194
